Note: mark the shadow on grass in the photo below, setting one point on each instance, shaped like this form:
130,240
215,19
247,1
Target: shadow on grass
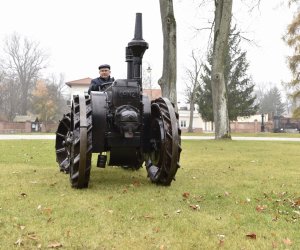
112,178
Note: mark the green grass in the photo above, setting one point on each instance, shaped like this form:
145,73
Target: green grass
224,191
266,134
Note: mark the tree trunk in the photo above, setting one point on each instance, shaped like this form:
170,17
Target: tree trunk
190,128
223,15
168,80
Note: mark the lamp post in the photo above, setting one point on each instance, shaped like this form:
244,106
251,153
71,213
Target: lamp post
262,128
150,80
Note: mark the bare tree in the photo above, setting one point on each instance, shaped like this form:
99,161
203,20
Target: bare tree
192,86
9,96
223,13
168,80
59,93
24,62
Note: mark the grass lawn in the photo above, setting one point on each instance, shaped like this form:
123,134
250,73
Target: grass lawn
228,195
265,134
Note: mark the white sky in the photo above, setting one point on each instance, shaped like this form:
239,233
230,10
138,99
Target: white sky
79,35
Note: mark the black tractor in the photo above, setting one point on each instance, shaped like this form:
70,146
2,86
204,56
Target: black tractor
122,125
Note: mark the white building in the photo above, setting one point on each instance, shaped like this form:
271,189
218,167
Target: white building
79,86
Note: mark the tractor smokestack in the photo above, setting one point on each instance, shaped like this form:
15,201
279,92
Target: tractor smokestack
135,51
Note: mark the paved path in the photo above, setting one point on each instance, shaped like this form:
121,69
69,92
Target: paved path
27,137
52,137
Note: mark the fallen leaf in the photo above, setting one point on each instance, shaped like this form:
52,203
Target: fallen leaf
55,245
297,212
32,236
251,236
47,210
178,211
19,242
147,216
22,227
287,242
297,202
221,243
274,244
261,208
221,236
186,195
194,207
136,183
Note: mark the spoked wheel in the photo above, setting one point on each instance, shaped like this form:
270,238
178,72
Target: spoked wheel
81,149
164,158
63,143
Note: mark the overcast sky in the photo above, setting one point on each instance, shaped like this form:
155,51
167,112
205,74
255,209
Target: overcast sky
80,35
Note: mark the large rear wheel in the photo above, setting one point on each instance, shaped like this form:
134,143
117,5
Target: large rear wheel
63,143
164,158
81,149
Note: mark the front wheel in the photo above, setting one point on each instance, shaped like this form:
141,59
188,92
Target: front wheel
81,150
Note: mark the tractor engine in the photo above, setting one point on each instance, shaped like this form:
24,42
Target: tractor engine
119,121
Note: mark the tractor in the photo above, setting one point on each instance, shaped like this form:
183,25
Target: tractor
121,125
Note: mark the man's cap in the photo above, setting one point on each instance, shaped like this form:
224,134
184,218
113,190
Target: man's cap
102,66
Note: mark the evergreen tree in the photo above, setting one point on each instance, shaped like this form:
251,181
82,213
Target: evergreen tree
271,102
238,84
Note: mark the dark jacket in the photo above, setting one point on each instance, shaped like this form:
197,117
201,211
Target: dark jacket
97,83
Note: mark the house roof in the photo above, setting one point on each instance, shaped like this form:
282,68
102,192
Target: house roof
82,82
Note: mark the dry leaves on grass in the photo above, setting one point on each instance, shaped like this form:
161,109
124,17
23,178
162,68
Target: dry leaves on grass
55,245
19,242
148,216
221,238
186,195
261,208
251,236
32,236
194,207
287,242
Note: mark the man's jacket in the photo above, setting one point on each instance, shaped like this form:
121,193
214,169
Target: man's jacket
97,84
